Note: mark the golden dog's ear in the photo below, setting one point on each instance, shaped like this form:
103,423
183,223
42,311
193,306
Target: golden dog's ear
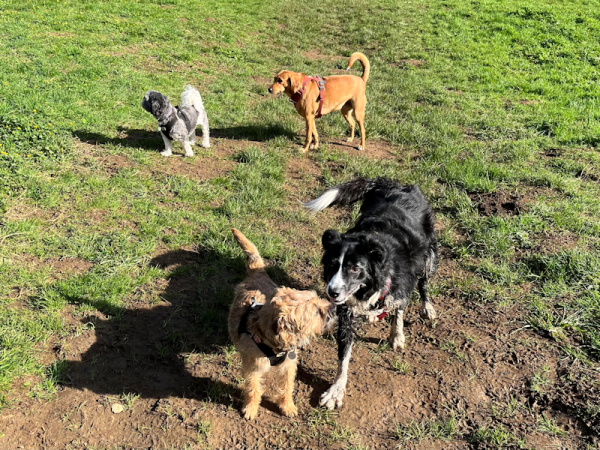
294,81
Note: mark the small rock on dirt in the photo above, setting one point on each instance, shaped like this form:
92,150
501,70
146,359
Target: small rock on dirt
117,408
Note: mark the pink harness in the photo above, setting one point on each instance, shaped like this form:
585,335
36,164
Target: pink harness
298,95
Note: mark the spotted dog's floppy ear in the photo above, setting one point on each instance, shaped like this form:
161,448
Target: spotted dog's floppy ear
330,238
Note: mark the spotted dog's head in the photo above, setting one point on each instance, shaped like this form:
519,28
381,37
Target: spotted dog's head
353,266
156,104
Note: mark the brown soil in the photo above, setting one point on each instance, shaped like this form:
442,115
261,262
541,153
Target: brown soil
504,203
57,266
472,362
499,203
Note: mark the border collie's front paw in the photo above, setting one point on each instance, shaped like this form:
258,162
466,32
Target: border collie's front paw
334,397
205,144
166,153
398,342
428,312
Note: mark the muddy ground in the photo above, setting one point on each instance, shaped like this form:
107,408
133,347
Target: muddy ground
475,363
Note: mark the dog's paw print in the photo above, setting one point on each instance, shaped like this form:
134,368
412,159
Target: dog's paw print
334,397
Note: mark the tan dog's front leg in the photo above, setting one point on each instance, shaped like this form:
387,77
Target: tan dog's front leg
287,373
310,130
253,390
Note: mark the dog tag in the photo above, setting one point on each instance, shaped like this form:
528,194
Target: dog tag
292,355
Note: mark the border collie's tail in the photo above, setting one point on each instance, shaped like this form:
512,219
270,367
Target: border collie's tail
253,258
191,97
365,63
349,192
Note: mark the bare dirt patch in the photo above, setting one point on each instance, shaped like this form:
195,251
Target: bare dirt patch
374,149
550,243
58,266
472,363
499,203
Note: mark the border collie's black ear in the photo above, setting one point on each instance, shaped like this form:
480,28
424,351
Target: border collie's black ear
374,251
330,238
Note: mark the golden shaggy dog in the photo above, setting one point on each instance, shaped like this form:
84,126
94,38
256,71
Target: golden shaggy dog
268,324
341,92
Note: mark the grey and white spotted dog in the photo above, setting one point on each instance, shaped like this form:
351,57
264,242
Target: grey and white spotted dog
178,123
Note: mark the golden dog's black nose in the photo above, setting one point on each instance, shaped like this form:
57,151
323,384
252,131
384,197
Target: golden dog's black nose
270,90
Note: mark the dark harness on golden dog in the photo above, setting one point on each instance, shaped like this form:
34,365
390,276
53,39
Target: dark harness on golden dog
298,95
274,358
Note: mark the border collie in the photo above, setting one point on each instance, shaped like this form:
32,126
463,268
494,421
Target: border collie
372,269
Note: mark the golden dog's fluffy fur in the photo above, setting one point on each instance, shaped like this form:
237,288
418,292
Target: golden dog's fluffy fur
286,321
342,92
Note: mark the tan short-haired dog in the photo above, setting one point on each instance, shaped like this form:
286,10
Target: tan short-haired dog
268,324
345,92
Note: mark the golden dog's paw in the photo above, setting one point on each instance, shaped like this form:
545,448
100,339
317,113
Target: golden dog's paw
250,412
350,139
289,409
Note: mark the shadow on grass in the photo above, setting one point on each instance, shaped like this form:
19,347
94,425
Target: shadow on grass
132,138
151,140
143,349
257,133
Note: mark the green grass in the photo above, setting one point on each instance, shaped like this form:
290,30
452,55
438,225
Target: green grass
475,98
433,429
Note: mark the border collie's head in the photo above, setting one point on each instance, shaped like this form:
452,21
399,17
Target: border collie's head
156,104
352,266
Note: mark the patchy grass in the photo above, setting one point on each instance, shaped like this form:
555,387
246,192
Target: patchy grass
491,107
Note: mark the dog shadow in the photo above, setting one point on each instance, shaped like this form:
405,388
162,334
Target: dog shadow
151,140
257,133
143,349
130,138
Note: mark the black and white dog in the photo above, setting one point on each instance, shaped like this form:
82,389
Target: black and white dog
178,123
372,269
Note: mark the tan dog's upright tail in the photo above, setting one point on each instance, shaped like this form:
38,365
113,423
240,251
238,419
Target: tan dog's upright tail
364,61
253,259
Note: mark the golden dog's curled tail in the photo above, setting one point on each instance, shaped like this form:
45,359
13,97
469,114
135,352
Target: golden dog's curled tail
253,259
365,63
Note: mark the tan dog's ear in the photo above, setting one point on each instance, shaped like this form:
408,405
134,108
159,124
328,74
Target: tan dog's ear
294,82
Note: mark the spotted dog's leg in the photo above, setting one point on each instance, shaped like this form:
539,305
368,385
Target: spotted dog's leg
192,137
427,310
205,131
187,148
334,396
168,151
397,338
